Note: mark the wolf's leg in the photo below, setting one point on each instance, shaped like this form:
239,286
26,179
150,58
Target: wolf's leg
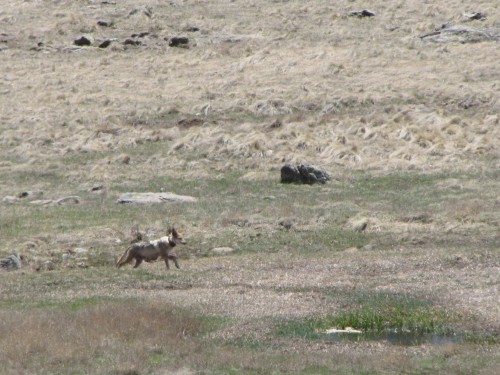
173,257
138,262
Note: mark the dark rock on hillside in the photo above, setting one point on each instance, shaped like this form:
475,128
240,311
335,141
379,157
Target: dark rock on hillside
192,29
131,42
303,174
12,262
475,16
362,13
82,41
140,35
462,34
178,42
105,44
104,23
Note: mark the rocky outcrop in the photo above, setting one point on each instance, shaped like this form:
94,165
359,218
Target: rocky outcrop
303,174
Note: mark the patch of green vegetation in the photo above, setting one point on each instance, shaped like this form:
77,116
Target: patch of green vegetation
481,338
212,323
375,312
398,192
248,343
161,358
45,303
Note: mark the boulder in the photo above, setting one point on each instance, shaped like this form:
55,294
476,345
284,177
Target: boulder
82,41
178,42
303,174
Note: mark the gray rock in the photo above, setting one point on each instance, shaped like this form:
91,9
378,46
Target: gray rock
12,262
358,224
155,198
362,13
10,199
303,174
82,41
222,250
31,194
462,34
71,199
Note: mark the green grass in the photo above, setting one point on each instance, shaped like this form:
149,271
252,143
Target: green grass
374,312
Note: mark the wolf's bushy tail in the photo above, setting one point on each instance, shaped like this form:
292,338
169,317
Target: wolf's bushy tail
124,258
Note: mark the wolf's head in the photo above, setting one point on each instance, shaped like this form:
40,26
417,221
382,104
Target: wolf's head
176,236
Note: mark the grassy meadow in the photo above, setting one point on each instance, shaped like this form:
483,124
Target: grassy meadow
403,243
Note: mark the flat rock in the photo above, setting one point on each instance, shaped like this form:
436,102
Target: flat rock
64,200
10,199
462,34
222,250
155,198
362,13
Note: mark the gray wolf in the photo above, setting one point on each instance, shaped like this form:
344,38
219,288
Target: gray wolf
152,250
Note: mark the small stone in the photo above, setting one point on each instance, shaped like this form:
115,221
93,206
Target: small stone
362,13
10,200
105,23
475,16
285,224
82,41
140,35
105,44
97,187
192,29
131,42
33,193
178,42
358,225
222,250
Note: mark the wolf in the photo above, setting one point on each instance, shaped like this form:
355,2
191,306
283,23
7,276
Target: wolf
152,250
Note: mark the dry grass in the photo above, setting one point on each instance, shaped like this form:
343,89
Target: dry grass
98,337
359,93
407,128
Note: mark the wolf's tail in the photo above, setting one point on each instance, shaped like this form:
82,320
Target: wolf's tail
124,258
